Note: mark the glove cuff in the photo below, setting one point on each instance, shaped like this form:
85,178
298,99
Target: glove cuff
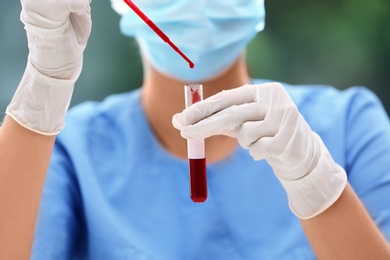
40,102
318,190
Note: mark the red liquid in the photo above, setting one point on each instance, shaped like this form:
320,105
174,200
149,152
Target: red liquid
198,180
195,96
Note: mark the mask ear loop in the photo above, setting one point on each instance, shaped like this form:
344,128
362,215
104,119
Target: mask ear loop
157,30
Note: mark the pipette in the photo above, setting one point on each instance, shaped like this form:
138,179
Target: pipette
157,30
196,151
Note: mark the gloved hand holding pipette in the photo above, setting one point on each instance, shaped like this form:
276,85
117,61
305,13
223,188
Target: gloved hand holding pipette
57,33
265,121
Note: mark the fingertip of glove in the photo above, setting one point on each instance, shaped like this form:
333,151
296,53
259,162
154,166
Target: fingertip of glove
176,122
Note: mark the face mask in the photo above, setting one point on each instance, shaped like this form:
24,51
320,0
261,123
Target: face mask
212,33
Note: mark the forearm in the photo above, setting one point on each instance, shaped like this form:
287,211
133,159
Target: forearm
24,157
346,231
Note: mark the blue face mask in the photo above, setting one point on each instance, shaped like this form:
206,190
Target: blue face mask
212,33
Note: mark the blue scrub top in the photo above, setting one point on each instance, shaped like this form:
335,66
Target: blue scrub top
113,192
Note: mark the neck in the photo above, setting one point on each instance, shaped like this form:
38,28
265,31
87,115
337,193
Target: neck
163,96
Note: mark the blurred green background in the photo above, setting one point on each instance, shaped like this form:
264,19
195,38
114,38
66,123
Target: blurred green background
335,42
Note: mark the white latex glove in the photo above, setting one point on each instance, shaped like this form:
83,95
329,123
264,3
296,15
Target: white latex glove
120,7
57,33
265,121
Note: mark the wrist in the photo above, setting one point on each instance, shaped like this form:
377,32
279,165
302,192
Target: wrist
40,102
318,189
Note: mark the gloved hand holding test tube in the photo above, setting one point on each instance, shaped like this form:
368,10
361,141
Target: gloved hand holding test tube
196,150
193,93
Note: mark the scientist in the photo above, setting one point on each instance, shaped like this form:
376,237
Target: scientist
294,172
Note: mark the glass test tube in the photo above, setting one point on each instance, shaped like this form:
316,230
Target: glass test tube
196,151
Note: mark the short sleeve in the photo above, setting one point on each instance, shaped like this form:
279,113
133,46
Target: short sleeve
368,155
60,229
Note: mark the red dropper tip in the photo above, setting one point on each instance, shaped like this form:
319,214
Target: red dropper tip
157,30
190,63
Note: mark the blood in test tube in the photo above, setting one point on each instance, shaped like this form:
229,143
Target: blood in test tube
196,151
